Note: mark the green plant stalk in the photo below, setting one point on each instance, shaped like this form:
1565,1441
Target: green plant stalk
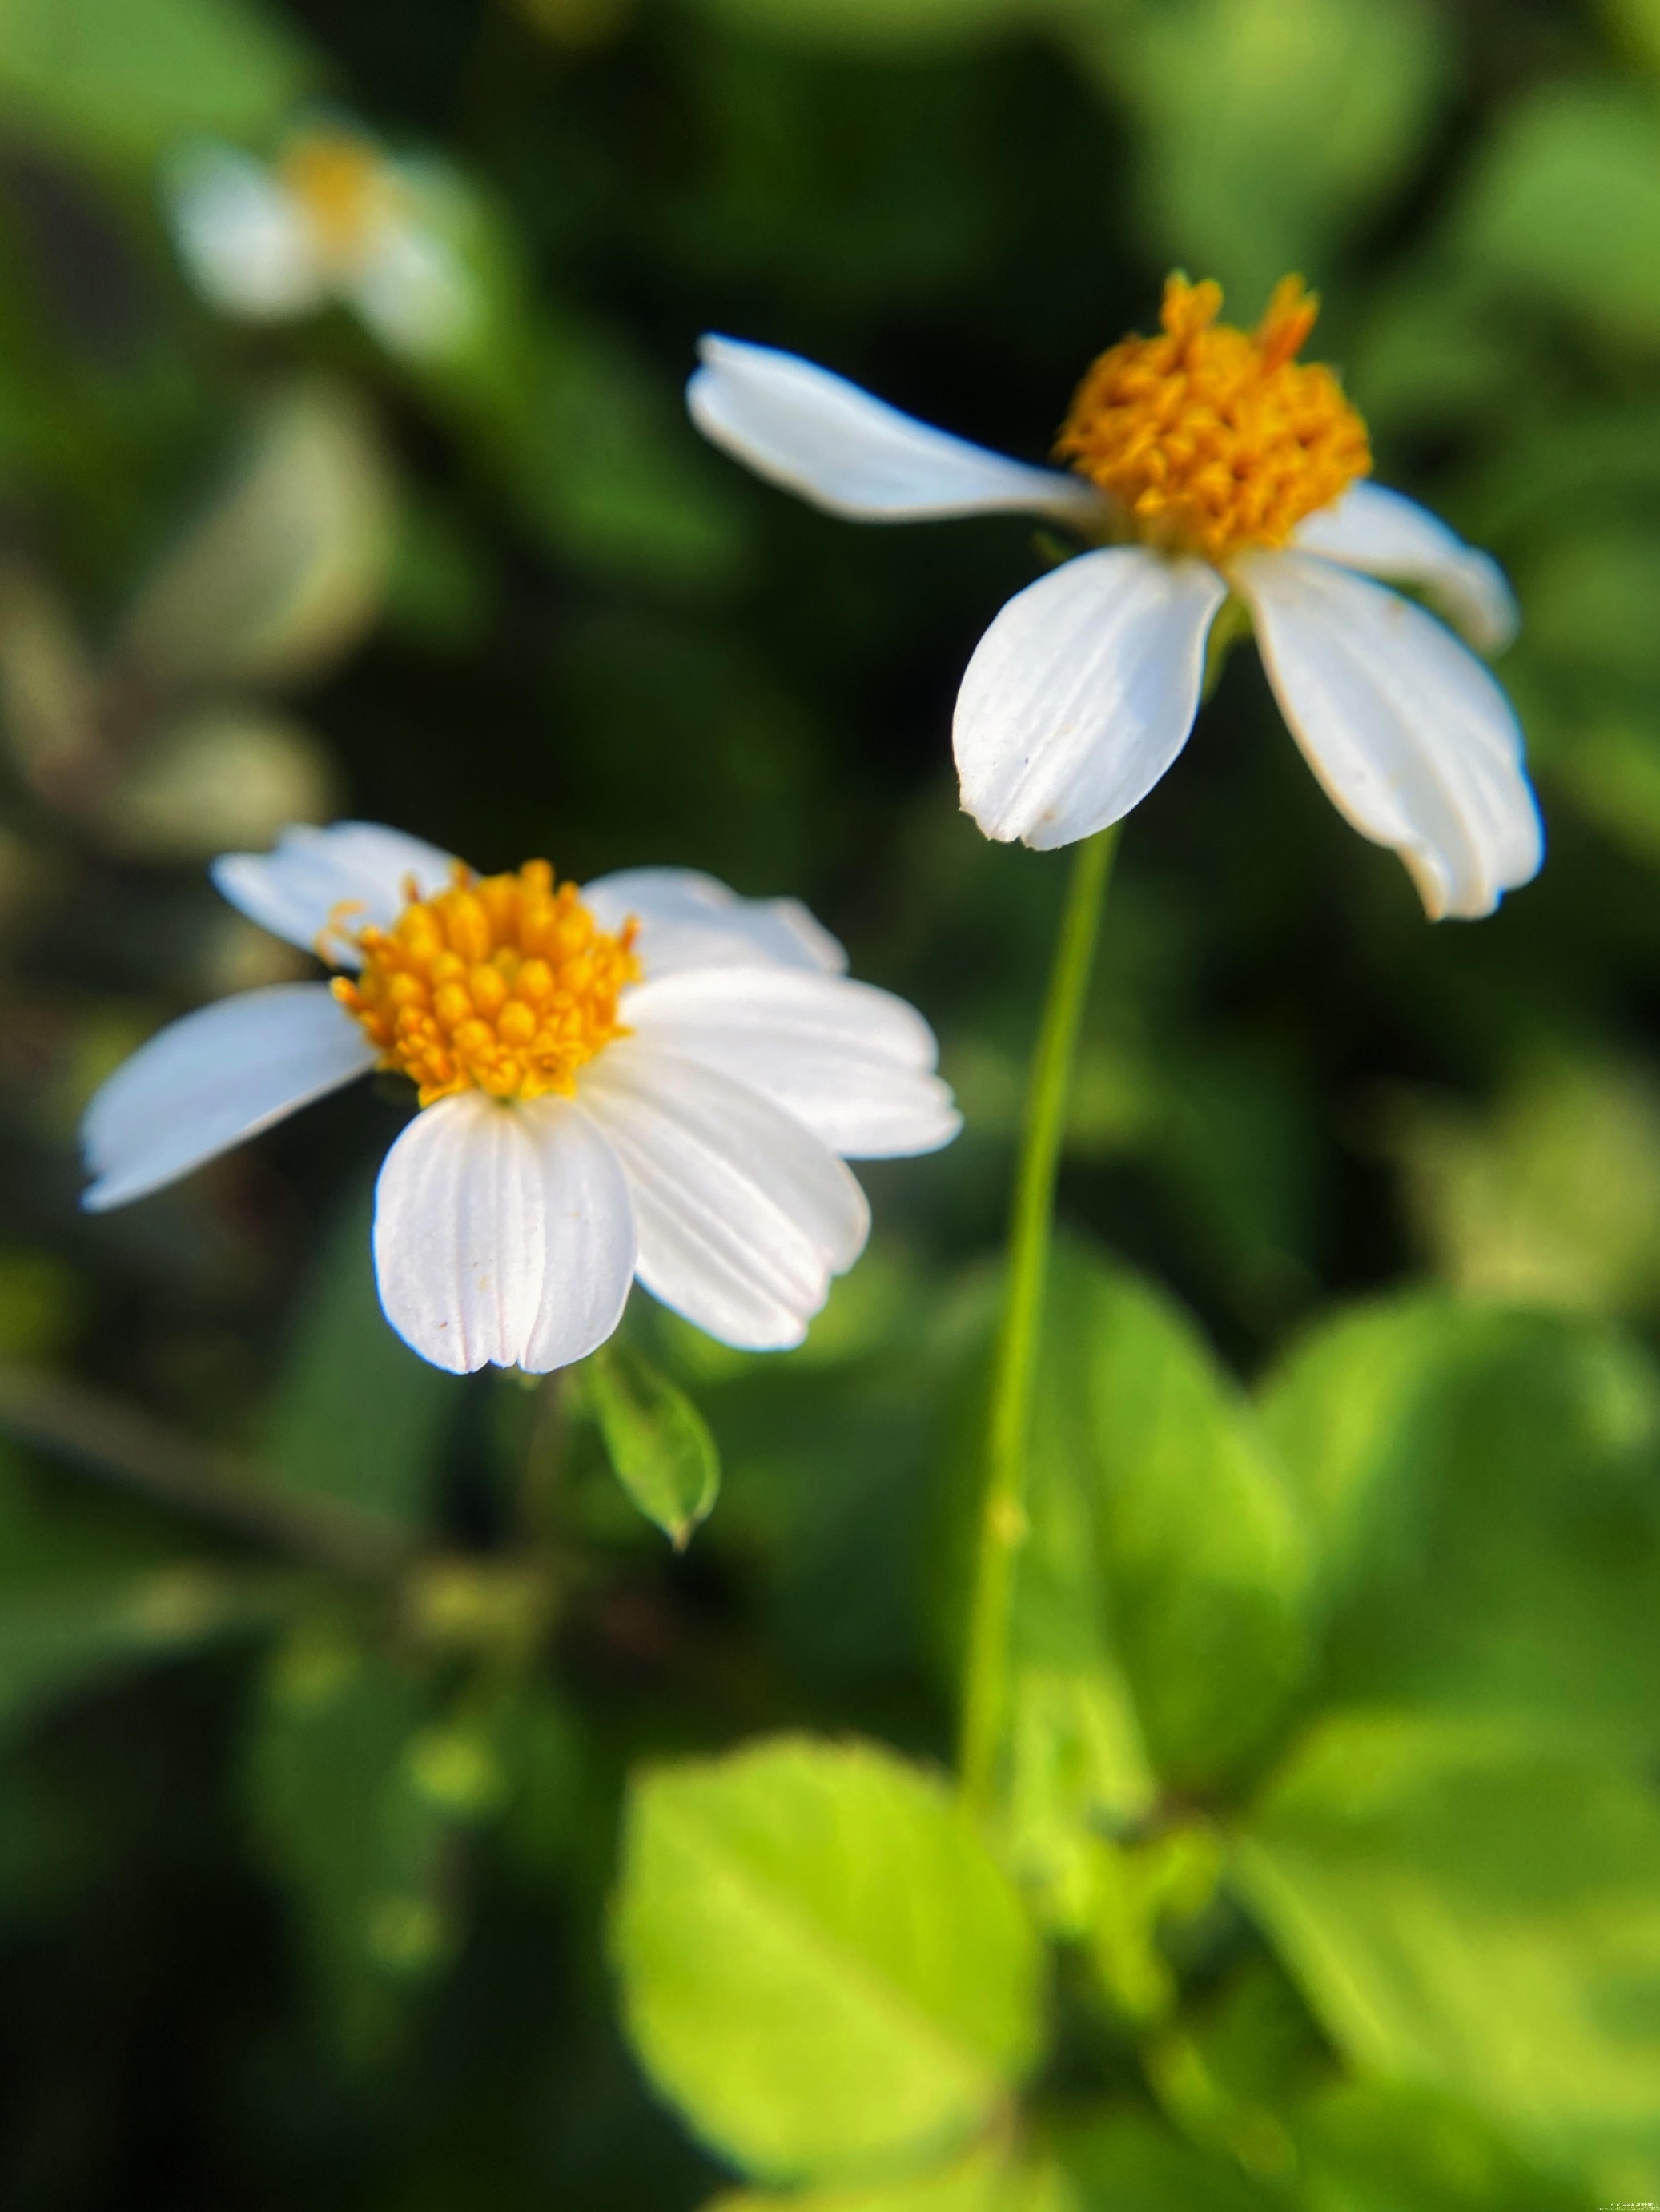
1003,1512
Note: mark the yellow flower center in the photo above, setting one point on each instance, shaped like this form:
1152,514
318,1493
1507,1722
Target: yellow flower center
342,183
500,983
1208,439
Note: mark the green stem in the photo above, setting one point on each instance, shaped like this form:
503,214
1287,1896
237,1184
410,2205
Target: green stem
1003,1512
120,1444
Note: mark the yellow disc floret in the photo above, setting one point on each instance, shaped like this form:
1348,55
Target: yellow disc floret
500,983
1208,439
345,187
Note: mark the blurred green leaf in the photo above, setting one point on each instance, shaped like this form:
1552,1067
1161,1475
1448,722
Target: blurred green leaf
822,1964
41,1303
1269,127
1124,2162
1379,2146
1638,21
1611,768
1198,1547
579,23
354,1816
658,1443
87,1595
1434,351
608,469
1077,1765
550,1817
1481,1486
1591,599
125,78
358,1416
287,568
1476,1911
1554,1197
1565,205
881,25
982,2182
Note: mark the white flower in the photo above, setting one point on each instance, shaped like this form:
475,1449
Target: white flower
334,218
653,1079
1219,464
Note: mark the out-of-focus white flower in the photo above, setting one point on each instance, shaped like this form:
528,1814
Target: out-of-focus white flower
334,217
1206,461
653,1078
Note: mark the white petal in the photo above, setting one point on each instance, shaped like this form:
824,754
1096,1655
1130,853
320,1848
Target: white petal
1411,737
412,291
460,1250
816,433
742,1215
206,1082
246,240
854,1063
502,1235
1082,693
1383,533
691,921
294,891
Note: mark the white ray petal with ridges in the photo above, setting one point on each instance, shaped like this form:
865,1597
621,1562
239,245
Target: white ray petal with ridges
1082,693
1411,737
743,1214
296,891
212,1079
1383,533
503,1235
588,1218
689,920
817,435
458,1238
852,1063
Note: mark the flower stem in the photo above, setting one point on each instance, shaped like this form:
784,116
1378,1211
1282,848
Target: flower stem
120,1444
1003,1515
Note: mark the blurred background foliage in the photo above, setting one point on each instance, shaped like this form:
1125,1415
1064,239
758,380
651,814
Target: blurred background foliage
1332,1764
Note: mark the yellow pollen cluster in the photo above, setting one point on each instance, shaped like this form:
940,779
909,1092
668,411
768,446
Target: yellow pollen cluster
1208,439
344,184
500,983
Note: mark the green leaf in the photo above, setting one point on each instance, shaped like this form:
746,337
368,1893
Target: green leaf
1198,1546
355,1801
89,1592
1269,127
863,25
1122,2162
1638,24
1377,2147
1078,1763
1472,1910
658,1442
127,78
1481,1486
1554,1197
358,1417
984,2181
1565,205
822,1965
